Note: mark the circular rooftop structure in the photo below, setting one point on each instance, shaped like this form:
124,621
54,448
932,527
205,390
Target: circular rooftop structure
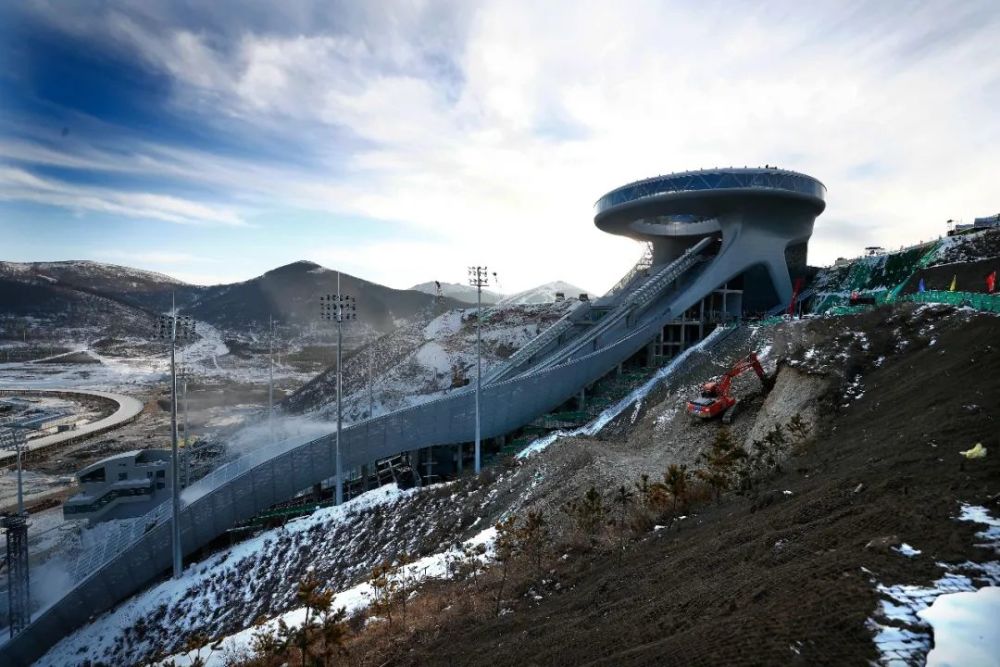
692,203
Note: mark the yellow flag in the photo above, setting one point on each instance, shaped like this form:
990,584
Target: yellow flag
954,283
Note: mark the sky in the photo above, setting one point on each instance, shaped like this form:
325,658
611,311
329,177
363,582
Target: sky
403,141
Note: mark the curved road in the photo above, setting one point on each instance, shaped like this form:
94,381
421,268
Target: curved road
128,409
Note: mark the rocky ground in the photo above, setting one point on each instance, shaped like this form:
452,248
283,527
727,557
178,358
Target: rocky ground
787,572
783,571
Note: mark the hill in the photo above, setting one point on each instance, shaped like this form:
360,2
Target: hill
545,293
291,294
79,294
817,546
465,293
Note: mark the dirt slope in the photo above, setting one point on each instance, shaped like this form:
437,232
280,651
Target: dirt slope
771,577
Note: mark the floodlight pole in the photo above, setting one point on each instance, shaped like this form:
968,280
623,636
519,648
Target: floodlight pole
20,480
478,278
270,375
168,328
174,464
338,307
340,387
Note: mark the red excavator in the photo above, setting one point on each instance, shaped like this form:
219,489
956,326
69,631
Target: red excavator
715,398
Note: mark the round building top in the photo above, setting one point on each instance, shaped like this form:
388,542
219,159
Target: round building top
694,199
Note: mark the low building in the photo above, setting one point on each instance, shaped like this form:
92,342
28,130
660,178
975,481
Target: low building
988,221
121,486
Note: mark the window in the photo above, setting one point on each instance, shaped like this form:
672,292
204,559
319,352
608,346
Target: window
160,474
122,475
93,476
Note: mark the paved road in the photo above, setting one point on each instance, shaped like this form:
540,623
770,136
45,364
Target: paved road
128,409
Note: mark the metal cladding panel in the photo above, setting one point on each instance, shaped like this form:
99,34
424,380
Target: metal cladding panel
262,478
222,506
242,494
282,467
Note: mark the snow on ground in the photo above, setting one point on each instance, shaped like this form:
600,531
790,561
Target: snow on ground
616,409
965,631
965,613
131,373
356,598
96,641
431,361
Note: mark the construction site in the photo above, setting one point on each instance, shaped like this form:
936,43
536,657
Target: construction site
726,428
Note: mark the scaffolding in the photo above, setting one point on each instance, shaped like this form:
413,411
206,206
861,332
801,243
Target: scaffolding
15,527
18,583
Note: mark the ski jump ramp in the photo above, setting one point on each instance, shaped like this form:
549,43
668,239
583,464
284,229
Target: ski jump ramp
706,227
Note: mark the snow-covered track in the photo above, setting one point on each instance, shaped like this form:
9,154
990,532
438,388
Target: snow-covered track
128,409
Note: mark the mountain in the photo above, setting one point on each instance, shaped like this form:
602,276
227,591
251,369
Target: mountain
83,293
545,293
291,294
457,291
117,300
541,294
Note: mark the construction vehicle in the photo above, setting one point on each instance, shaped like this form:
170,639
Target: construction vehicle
715,398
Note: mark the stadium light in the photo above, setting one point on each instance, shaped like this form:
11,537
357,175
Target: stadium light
479,278
173,328
338,308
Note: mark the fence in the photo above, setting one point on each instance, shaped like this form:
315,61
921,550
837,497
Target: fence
978,300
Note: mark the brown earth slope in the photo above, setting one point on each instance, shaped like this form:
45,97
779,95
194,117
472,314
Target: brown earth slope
772,577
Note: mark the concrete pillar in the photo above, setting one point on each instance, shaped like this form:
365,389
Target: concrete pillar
581,401
701,321
458,458
428,461
414,456
365,482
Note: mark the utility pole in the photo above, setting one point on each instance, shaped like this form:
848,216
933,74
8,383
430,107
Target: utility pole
187,434
16,527
371,379
337,308
478,278
173,328
270,375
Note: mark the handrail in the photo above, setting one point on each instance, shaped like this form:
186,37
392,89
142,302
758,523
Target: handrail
563,324
634,301
644,263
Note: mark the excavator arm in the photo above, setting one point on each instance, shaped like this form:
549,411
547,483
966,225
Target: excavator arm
715,398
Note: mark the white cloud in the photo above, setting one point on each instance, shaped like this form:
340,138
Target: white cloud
545,106
20,185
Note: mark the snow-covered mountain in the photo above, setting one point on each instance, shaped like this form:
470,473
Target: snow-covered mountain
541,294
545,293
83,293
465,293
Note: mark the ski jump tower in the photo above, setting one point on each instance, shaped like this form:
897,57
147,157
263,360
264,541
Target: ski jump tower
738,234
763,216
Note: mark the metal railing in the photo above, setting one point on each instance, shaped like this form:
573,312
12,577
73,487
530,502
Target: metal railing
635,301
538,343
640,268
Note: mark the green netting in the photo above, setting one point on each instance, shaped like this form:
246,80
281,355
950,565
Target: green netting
977,300
882,277
922,263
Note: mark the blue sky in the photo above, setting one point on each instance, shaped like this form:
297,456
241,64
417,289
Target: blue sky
402,141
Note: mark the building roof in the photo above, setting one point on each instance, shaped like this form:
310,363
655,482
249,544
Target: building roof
736,178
